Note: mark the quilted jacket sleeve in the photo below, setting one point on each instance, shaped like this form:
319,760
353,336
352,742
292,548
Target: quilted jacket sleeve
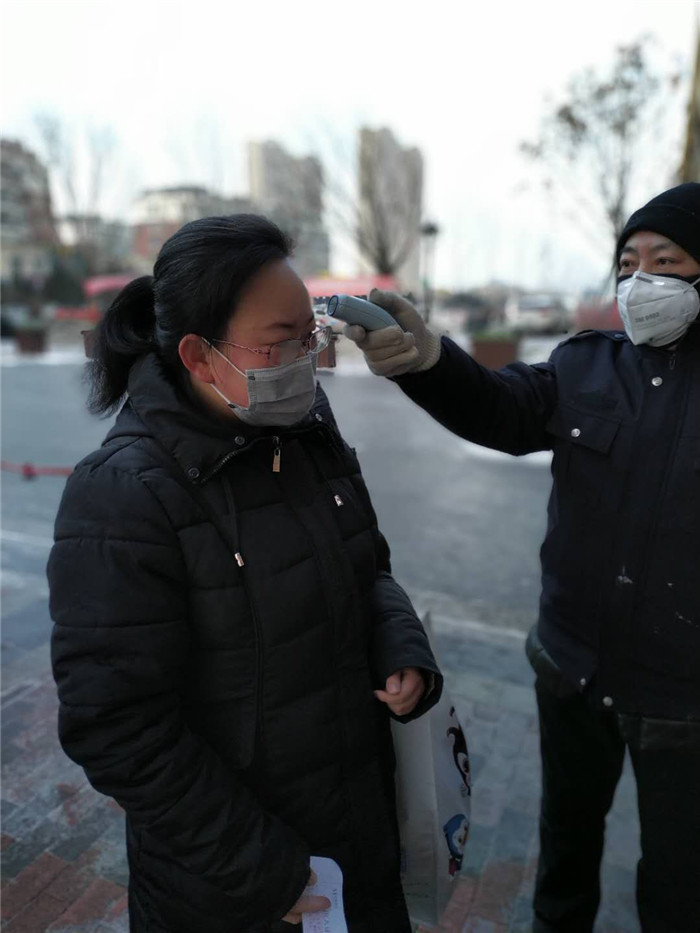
505,409
120,651
399,639
398,636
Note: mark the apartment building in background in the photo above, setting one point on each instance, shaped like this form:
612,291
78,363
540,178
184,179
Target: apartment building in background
289,190
28,229
158,212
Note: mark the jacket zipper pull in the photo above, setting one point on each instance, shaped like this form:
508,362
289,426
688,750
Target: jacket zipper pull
239,559
277,455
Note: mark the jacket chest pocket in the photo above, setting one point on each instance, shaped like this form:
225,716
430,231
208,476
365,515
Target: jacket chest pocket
583,455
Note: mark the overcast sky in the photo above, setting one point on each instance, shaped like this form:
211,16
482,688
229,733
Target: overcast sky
184,85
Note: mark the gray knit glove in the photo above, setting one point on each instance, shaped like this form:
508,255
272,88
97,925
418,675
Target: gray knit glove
392,351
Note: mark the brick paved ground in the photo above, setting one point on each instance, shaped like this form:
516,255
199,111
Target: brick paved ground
62,843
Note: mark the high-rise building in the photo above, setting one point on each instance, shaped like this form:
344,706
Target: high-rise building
390,207
159,212
28,231
289,190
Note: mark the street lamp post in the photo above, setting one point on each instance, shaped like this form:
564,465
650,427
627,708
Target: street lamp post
429,232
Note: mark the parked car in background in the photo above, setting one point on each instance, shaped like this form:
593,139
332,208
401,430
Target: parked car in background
100,291
538,313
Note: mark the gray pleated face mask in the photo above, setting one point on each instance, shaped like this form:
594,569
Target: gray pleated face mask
278,396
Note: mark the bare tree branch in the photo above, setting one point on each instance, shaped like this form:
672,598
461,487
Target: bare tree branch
101,144
595,141
374,194
59,155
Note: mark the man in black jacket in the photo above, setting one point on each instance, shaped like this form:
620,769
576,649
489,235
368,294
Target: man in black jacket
617,645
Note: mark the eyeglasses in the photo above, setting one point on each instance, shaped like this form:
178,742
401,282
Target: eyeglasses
286,351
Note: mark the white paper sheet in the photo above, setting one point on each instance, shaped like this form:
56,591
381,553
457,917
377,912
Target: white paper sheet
330,885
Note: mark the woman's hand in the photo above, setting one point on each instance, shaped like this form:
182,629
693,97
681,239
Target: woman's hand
403,691
307,903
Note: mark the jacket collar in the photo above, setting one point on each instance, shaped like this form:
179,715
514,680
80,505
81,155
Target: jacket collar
197,440
691,338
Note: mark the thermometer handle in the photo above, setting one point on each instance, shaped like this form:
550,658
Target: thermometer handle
358,311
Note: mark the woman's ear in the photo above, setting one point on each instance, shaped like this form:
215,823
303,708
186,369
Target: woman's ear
195,354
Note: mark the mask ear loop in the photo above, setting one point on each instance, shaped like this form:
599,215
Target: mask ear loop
693,285
231,405
223,356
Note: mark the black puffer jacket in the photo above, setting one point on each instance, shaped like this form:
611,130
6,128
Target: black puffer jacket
219,629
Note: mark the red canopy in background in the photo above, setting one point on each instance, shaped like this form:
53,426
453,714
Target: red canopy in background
106,283
326,286
321,287
100,290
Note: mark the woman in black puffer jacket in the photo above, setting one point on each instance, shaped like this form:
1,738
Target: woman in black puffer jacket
229,643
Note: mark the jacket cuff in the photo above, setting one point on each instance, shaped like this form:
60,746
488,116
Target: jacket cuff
289,882
298,879
422,377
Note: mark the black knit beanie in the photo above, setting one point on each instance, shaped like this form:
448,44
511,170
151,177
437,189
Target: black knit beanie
675,214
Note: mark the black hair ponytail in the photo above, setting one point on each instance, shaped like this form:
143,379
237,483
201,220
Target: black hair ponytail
125,333
197,281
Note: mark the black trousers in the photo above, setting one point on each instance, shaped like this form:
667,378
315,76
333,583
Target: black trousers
582,754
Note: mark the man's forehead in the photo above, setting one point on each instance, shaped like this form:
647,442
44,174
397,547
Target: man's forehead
654,240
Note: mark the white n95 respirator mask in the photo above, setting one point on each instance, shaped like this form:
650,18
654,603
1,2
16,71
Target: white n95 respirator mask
657,309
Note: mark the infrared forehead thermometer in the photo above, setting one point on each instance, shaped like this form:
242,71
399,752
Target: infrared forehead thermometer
358,311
